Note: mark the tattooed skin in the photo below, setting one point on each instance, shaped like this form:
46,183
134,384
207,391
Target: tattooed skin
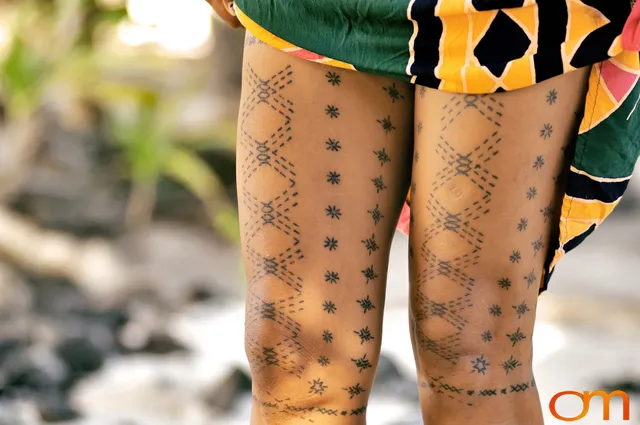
471,170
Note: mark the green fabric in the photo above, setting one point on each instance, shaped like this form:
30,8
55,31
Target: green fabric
611,148
340,31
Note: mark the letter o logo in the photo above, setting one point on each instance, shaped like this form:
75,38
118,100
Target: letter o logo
554,411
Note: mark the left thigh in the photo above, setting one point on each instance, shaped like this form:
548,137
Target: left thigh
484,203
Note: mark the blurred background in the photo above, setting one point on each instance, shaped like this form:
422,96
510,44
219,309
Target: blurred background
121,286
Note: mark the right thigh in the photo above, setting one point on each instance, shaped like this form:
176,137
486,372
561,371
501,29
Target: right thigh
324,161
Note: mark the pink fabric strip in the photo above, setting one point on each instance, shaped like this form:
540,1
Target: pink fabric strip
631,31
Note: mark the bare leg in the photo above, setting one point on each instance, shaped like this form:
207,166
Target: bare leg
485,179
323,167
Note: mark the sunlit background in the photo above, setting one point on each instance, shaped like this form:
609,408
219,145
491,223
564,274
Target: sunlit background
121,288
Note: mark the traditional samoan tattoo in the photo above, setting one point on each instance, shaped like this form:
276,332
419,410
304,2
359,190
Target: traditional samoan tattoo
386,124
327,337
317,387
547,212
516,337
332,111
419,127
515,257
333,212
333,177
480,365
538,163
522,224
252,40
331,243
329,307
370,244
530,278
521,309
379,184
510,364
331,277
532,193
422,92
364,334
495,310
333,145
376,215
552,97
366,304
284,406
323,361
354,390
537,245
362,363
546,131
487,336
333,78
467,396
369,274
393,93
504,282
266,156
471,167
383,157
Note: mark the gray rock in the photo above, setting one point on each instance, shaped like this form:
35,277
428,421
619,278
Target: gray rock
223,396
390,382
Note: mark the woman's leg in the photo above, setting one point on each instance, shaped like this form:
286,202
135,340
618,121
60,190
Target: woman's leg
323,167
484,208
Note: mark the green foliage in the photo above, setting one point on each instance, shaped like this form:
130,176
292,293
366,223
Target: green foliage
52,44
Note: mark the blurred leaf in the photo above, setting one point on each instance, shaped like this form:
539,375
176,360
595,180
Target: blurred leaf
188,168
23,72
